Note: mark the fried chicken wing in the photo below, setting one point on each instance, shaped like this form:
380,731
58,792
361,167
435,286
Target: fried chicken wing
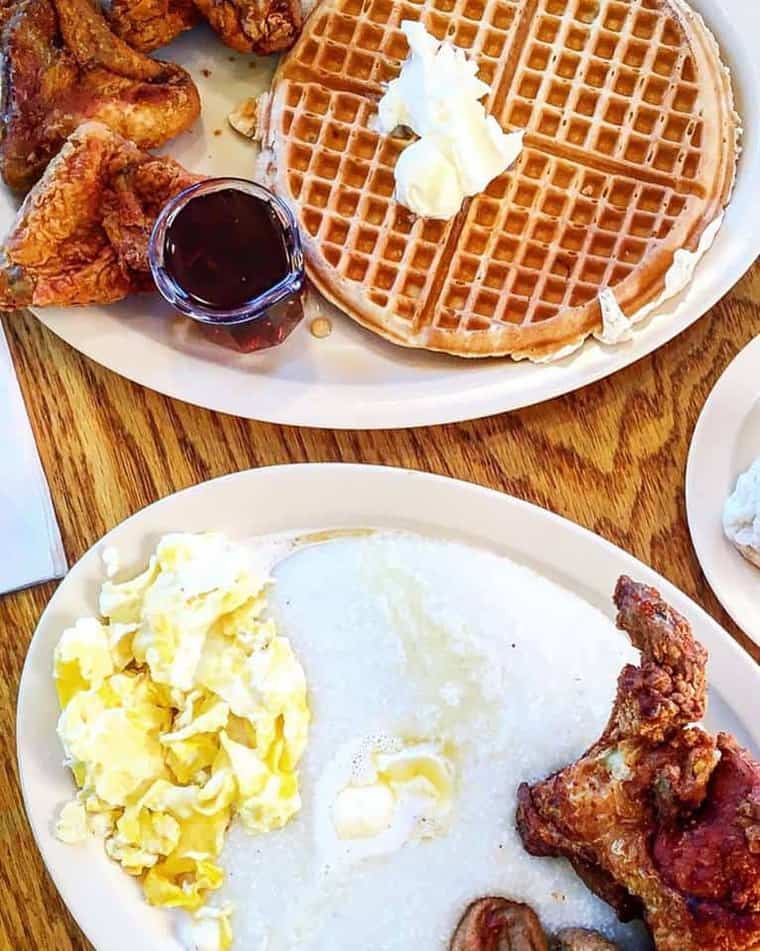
81,235
148,24
254,26
658,817
63,66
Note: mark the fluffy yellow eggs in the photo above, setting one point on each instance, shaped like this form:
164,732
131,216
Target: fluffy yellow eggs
181,708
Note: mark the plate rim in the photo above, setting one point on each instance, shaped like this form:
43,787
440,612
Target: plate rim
702,453
727,656
488,400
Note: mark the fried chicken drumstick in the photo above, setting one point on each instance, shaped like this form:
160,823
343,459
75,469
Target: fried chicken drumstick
659,818
81,235
63,66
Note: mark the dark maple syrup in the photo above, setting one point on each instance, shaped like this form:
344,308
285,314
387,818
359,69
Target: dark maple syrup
225,248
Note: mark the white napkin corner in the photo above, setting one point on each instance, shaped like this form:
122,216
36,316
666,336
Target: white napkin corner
30,541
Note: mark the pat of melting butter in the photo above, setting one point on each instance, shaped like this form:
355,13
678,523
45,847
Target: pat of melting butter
361,812
181,708
386,792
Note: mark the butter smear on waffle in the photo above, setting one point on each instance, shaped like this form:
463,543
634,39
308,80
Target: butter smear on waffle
460,148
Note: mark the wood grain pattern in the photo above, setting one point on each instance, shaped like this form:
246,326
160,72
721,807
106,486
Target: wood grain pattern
610,457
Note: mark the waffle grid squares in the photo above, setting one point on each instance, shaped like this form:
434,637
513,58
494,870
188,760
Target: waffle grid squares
363,40
343,173
606,90
626,108
544,248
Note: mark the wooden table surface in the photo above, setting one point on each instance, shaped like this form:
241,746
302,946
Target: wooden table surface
610,457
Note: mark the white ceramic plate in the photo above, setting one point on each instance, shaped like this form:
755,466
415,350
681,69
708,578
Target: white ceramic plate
725,443
105,902
353,379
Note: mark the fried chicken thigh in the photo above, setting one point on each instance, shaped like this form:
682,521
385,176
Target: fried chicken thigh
81,235
659,818
63,66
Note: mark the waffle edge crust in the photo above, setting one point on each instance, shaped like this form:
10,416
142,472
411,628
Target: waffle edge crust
630,153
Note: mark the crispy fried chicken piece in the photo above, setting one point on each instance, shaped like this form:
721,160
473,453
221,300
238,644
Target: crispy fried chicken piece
658,816
81,235
254,26
7,8
148,24
62,66
249,26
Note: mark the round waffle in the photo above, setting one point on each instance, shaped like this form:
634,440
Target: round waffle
630,153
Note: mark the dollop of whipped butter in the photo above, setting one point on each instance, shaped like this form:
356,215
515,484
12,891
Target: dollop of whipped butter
741,514
461,148
382,792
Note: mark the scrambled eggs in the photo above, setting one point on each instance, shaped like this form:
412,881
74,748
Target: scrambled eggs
180,709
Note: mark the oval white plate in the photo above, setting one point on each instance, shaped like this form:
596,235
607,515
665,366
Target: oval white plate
105,902
353,379
725,443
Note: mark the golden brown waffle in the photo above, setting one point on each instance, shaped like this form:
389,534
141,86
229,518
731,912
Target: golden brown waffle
630,153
